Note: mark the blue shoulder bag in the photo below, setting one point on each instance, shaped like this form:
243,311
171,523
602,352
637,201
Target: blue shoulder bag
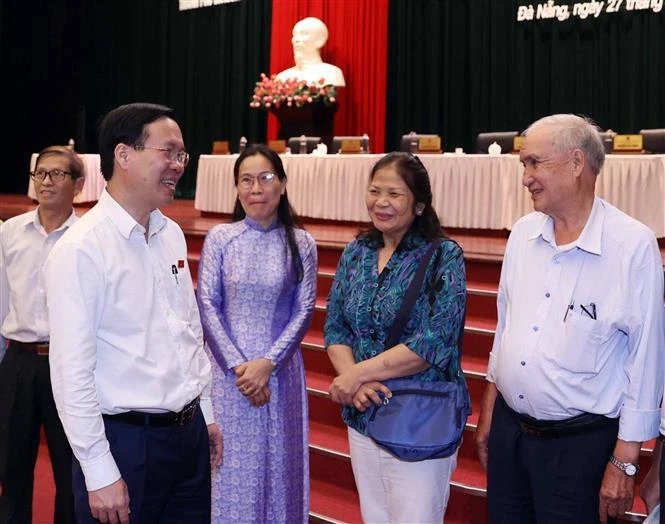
422,420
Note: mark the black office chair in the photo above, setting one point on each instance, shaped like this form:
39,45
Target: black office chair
504,138
405,143
337,142
653,140
294,144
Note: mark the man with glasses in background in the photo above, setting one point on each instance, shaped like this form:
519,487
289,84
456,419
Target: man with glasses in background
130,377
26,400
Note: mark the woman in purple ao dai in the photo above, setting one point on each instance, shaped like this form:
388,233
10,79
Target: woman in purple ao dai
256,292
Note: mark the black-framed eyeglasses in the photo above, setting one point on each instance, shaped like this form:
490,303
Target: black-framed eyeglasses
265,179
56,175
181,157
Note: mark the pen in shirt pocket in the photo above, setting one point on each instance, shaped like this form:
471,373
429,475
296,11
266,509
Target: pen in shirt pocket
174,270
569,307
589,310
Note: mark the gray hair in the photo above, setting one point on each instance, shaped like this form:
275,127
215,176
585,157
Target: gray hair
568,132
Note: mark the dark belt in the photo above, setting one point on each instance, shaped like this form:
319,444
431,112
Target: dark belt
38,348
140,418
576,425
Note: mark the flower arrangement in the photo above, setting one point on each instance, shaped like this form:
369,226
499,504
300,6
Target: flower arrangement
271,92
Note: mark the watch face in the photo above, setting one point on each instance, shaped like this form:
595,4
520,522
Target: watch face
630,470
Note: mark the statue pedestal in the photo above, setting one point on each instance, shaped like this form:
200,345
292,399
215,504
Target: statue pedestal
315,119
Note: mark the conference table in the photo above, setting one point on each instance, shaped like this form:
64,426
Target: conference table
469,191
94,181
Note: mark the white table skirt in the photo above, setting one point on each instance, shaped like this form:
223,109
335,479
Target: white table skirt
94,181
469,191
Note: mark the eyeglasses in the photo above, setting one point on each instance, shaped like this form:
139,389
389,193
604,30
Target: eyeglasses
56,175
181,157
265,179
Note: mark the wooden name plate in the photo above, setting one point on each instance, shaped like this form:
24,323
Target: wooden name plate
627,144
517,143
278,146
220,147
429,144
350,145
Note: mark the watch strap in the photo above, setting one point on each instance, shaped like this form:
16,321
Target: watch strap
624,466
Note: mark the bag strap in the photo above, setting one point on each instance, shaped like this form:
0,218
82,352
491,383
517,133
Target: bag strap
410,296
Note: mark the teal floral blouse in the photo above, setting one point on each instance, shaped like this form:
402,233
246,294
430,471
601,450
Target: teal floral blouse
363,304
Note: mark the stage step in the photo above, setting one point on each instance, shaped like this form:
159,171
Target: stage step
333,496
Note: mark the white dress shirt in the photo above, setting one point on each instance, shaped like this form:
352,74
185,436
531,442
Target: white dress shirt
553,362
125,328
24,247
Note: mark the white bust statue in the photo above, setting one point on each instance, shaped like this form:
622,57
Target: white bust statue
309,35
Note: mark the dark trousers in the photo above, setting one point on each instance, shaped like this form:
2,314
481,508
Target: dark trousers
556,480
166,469
26,402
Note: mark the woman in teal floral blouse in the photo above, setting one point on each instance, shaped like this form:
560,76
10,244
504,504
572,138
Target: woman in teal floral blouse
371,279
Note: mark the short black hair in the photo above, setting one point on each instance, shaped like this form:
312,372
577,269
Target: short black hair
126,125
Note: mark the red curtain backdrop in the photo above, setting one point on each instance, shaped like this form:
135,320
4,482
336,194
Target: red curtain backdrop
357,44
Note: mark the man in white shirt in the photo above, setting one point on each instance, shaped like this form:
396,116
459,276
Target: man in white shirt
130,378
574,376
26,400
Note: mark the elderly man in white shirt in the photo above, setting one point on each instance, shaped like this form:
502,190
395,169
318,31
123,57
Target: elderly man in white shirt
574,376
130,378
26,400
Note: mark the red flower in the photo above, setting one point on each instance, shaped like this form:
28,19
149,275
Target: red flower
269,92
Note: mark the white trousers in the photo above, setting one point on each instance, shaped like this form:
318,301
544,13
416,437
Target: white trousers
395,491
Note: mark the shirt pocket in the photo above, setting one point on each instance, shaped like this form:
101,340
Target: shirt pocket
176,294
583,342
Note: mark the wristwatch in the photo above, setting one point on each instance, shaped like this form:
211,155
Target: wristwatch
629,469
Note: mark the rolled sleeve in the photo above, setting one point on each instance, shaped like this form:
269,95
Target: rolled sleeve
640,413
439,311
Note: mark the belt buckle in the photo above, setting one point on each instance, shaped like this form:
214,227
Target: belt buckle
186,414
42,349
530,430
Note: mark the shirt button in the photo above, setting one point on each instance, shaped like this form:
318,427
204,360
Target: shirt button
523,363
521,397
373,353
376,284
547,295
371,331
369,308
535,328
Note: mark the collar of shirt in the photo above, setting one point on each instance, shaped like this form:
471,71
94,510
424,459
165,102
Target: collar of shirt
31,219
125,223
590,238
253,224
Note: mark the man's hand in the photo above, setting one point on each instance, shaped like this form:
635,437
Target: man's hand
216,445
616,493
482,433
110,504
368,393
